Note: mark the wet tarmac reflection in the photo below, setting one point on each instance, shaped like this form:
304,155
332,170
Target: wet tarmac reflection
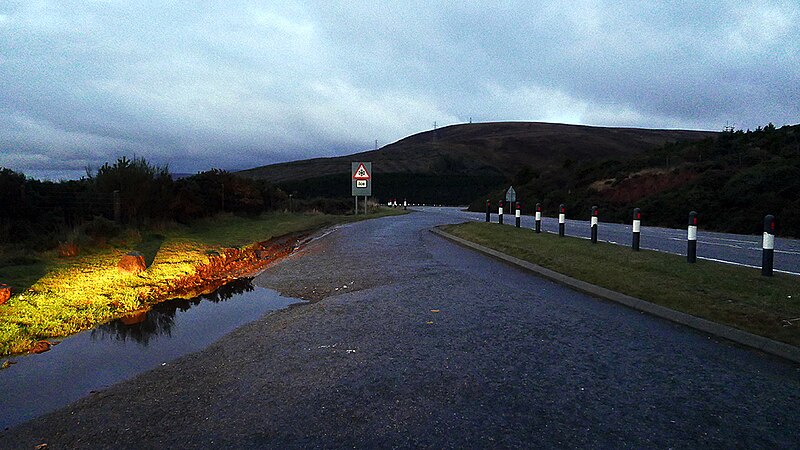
142,326
117,351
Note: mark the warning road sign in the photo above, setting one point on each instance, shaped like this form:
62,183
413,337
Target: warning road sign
511,195
361,177
361,173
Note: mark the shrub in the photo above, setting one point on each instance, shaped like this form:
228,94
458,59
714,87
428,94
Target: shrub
100,228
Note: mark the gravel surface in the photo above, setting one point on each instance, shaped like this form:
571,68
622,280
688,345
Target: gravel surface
411,341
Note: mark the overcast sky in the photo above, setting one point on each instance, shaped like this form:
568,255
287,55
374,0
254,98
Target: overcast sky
235,84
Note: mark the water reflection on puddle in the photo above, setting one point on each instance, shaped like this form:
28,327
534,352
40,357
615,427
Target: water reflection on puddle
121,349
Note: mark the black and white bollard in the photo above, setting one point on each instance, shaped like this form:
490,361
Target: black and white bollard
595,214
562,219
768,246
405,205
691,251
518,215
637,225
538,222
500,213
488,213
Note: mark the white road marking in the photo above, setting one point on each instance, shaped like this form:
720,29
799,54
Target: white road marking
670,234
756,248
746,265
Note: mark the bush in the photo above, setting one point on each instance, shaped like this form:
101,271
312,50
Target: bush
145,190
100,228
39,214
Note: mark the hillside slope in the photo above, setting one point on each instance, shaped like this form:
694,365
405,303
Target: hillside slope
496,149
732,180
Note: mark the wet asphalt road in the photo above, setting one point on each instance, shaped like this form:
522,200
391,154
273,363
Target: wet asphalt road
737,249
415,342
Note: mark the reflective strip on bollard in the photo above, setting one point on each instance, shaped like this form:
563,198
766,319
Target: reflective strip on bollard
768,241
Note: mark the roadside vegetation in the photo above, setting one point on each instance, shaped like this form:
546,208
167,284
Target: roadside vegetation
445,186
57,296
735,296
60,244
40,215
732,180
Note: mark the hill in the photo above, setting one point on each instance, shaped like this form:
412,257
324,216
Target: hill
731,179
455,164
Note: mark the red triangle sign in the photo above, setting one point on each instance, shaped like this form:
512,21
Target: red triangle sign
361,173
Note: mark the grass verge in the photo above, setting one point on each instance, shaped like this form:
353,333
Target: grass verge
60,296
735,296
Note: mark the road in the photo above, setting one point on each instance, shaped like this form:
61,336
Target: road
412,341
743,250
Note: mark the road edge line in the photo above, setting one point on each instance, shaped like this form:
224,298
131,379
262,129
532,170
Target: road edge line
766,345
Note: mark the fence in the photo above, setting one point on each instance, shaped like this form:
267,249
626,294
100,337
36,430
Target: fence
768,238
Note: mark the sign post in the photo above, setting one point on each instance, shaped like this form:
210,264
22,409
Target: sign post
361,178
511,197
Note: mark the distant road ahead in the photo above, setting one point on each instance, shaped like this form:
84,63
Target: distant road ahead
739,249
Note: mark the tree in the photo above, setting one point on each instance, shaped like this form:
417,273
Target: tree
145,190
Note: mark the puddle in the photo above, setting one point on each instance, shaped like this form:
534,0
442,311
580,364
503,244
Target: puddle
119,350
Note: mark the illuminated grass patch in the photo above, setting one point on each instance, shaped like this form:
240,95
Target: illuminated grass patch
71,295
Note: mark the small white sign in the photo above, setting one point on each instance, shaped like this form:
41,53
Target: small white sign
361,183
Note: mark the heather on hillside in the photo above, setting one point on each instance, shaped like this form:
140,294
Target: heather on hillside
455,164
732,181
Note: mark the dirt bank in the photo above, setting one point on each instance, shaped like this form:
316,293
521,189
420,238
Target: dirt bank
223,266
228,265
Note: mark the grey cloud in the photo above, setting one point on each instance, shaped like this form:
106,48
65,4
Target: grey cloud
240,84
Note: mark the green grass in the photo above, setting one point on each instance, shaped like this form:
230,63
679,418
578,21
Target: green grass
56,296
731,295
22,272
